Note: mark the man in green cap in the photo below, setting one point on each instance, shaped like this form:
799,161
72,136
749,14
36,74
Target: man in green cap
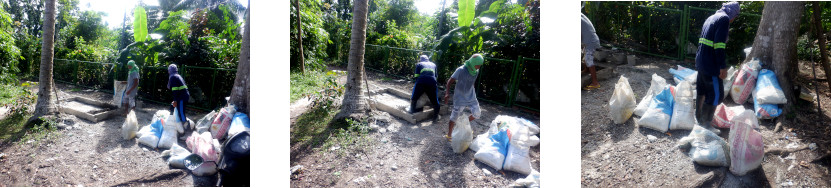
464,95
129,96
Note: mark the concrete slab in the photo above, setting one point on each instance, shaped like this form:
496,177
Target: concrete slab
397,103
88,109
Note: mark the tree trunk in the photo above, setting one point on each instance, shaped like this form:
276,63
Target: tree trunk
300,37
354,103
818,32
45,104
242,83
775,43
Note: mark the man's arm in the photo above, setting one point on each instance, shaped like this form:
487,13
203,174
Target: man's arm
450,82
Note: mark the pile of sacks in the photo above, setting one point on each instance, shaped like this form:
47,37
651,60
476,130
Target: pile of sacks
219,142
664,107
742,151
506,144
760,86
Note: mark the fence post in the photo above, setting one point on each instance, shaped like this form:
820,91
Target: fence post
514,82
682,43
77,71
210,97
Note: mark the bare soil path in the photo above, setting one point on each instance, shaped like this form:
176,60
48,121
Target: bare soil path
85,153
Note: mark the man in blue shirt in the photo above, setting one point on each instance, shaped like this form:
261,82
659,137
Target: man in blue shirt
425,73
464,95
710,61
180,93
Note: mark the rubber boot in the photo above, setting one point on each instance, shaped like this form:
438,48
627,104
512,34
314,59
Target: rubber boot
698,111
709,112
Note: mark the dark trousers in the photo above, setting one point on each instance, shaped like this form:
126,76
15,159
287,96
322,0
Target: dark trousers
711,89
181,112
432,93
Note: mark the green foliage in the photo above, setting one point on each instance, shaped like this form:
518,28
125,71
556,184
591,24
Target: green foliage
466,12
330,91
315,37
17,98
139,24
9,53
310,82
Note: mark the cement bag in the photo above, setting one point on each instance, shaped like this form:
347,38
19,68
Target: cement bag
533,141
517,159
119,87
204,124
746,146
177,155
175,122
150,135
683,74
130,126
493,154
658,84
766,111
240,123
706,147
222,121
462,135
533,129
728,81
768,90
745,82
724,115
203,145
480,140
683,113
168,138
622,104
659,114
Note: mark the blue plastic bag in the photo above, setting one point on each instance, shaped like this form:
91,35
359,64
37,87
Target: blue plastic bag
684,74
239,123
157,128
767,89
766,111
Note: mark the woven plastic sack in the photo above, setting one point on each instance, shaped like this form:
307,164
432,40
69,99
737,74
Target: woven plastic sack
493,153
622,104
203,145
746,145
659,114
517,159
150,135
462,135
222,122
683,113
657,85
728,81
706,147
768,90
240,123
724,115
204,124
766,111
683,74
745,81
130,126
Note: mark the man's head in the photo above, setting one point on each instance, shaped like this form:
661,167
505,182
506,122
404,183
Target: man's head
172,69
732,10
131,64
474,63
423,58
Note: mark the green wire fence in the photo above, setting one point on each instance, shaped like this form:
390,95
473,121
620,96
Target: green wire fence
670,33
208,86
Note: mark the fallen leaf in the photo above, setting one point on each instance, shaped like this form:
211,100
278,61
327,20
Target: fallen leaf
670,134
803,164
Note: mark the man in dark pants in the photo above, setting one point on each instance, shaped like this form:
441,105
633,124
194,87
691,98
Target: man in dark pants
425,73
180,93
710,61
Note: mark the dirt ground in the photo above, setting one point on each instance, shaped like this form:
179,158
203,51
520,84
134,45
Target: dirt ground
84,153
401,154
621,155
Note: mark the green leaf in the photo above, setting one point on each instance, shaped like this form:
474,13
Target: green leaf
139,24
466,12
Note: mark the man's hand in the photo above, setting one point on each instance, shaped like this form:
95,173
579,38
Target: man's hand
446,98
174,104
722,74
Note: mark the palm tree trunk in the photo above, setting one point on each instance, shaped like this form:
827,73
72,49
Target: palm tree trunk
242,85
45,104
354,103
300,36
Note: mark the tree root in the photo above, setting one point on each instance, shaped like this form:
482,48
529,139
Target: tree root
711,179
780,151
167,175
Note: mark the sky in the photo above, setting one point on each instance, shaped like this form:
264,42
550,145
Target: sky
115,9
430,6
